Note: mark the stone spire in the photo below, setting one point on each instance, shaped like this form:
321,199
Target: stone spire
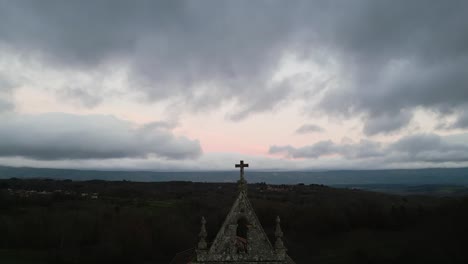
202,243
242,182
279,246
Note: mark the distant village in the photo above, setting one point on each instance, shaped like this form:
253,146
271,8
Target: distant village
33,193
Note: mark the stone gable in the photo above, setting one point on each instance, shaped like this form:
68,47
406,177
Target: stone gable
241,239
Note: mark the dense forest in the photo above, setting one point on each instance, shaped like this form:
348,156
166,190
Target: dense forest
63,221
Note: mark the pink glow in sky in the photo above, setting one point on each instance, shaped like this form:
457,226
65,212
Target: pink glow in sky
199,84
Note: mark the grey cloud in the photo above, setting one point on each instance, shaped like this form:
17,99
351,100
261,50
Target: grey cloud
56,136
386,122
173,48
309,128
81,96
5,83
5,105
418,143
363,149
260,100
429,148
288,150
399,55
316,150
6,87
462,120
157,125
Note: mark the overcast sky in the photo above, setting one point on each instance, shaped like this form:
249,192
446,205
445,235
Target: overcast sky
190,85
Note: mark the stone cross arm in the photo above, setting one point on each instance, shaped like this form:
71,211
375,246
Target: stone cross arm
242,165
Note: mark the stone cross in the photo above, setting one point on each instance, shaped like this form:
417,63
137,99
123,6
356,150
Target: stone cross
242,165
242,182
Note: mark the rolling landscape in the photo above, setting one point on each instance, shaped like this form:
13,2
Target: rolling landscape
371,217
64,221
233,132
438,181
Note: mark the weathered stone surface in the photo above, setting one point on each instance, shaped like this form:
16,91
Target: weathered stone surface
241,239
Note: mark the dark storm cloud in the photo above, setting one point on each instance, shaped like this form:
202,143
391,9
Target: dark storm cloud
309,128
416,148
172,46
398,55
58,136
401,55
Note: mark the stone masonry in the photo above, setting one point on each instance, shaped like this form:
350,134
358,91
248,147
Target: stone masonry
241,238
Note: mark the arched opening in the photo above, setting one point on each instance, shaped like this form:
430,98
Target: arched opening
241,233
242,228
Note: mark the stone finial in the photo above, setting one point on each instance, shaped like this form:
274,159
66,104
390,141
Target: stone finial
279,235
202,243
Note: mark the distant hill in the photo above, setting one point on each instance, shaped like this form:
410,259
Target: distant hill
440,176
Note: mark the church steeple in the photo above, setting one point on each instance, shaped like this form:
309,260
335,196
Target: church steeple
242,182
241,238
